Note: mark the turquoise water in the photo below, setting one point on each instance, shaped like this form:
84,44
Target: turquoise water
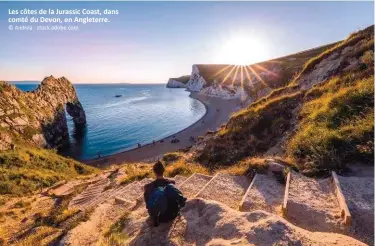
142,114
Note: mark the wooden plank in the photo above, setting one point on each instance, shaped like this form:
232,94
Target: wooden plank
286,194
345,213
246,193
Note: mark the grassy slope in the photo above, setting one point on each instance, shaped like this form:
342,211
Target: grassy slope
288,65
23,170
335,119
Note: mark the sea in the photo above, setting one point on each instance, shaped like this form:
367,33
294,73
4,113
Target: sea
119,116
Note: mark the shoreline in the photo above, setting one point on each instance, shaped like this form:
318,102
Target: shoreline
218,111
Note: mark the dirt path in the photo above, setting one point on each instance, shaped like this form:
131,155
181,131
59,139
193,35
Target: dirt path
218,111
312,204
225,188
266,194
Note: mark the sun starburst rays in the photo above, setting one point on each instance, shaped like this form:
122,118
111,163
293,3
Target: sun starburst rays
242,75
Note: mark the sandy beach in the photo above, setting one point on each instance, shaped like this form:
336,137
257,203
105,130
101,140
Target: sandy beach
218,111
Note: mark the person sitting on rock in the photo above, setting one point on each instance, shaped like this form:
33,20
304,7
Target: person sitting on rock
163,200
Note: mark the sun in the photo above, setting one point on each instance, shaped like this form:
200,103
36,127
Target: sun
242,50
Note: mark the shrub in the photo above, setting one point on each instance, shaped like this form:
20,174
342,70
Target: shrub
247,167
185,169
134,173
171,157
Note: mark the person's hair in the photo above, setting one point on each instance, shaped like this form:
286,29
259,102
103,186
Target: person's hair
158,168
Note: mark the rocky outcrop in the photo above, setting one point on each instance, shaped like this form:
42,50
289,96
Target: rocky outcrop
196,82
174,83
39,116
349,56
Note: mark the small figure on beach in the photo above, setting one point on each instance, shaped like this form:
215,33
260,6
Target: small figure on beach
99,155
202,121
175,140
139,145
153,142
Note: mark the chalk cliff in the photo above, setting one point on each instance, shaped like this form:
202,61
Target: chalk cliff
180,82
38,116
249,82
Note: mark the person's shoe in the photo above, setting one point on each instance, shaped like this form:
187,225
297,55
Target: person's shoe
150,221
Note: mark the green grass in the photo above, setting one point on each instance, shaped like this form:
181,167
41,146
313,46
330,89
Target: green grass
135,172
43,235
114,235
180,167
28,169
336,126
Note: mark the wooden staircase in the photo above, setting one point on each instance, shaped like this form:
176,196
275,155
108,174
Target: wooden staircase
297,199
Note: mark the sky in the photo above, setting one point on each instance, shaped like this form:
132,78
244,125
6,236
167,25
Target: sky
150,42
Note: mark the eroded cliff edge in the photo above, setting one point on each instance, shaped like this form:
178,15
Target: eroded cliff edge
38,116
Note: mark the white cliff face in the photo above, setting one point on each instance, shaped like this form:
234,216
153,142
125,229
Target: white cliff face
172,83
196,82
233,88
235,92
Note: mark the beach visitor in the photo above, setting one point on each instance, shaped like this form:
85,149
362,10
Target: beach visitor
98,155
163,200
139,145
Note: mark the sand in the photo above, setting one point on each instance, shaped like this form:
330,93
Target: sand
194,184
226,188
211,121
312,204
267,194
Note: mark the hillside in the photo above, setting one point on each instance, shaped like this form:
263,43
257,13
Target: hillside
249,82
180,82
321,120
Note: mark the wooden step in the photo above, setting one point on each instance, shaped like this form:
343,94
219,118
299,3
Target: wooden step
194,184
312,204
225,188
265,193
133,192
89,194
